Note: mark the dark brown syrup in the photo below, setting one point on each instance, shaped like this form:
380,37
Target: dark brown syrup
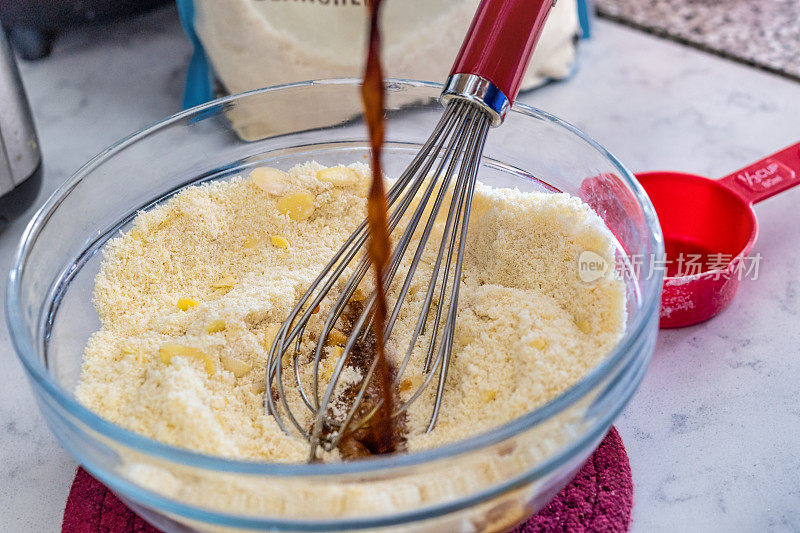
381,434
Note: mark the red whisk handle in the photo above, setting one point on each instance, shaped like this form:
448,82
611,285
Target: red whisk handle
497,48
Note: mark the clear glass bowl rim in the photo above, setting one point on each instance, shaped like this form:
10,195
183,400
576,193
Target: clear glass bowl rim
24,344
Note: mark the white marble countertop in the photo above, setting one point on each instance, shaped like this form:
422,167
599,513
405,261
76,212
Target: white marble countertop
713,432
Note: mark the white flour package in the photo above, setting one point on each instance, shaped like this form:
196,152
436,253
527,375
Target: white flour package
248,44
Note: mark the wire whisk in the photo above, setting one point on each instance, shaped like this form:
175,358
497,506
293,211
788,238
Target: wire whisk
453,150
443,173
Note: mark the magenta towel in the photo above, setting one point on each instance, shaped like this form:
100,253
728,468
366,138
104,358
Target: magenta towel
599,499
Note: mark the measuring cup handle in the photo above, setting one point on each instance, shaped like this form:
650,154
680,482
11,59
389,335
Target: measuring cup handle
767,177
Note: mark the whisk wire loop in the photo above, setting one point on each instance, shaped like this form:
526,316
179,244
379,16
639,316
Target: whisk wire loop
444,169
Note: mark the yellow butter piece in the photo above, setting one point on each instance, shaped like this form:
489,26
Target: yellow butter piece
186,303
328,364
583,325
223,282
538,343
235,365
269,335
337,337
170,350
270,180
299,206
338,176
216,326
279,242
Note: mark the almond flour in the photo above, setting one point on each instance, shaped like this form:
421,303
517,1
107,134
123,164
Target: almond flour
191,298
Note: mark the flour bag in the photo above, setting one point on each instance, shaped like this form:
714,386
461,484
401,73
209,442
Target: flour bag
247,44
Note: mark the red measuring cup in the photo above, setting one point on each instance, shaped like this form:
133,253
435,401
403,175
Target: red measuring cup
712,222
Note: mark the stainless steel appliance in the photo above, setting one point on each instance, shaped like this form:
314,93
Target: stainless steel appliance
20,157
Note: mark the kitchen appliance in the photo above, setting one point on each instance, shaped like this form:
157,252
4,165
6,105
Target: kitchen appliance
709,229
20,158
33,25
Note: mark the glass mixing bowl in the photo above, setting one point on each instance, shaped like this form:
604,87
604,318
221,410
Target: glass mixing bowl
489,482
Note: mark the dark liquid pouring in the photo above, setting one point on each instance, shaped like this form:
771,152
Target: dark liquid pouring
382,430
